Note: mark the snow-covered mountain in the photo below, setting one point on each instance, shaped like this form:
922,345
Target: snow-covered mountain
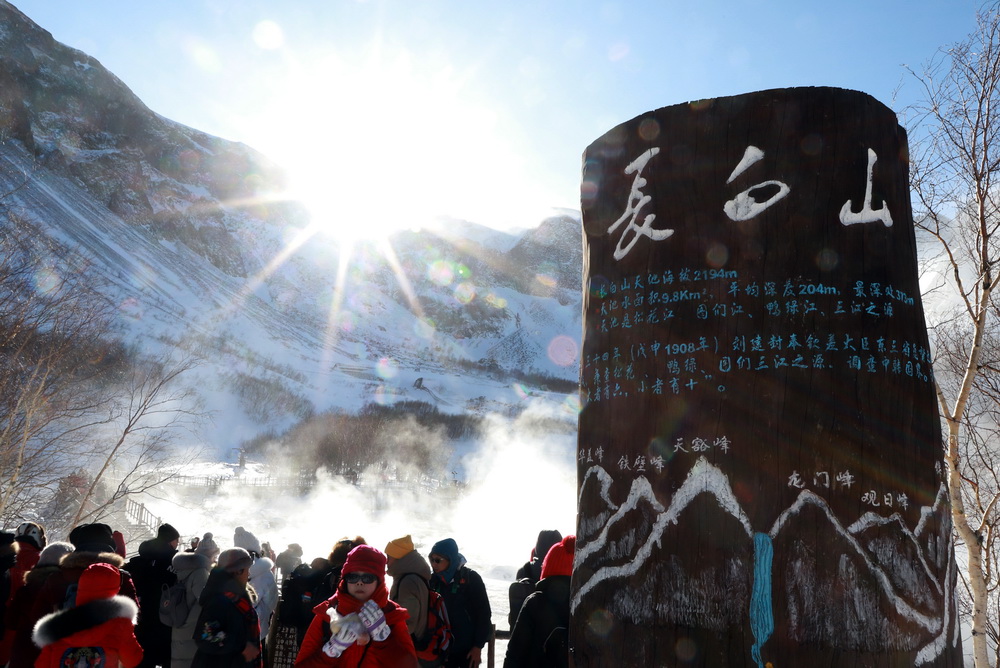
205,255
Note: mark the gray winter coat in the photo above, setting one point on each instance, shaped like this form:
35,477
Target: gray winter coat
411,591
191,569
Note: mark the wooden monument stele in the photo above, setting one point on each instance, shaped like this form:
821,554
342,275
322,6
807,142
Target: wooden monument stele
759,451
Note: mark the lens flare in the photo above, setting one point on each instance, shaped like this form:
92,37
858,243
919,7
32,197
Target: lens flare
600,622
47,280
686,649
495,301
268,35
387,368
571,405
465,292
563,350
346,321
520,391
441,272
546,280
131,308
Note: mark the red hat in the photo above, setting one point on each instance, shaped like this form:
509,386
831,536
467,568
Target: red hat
559,560
365,559
98,581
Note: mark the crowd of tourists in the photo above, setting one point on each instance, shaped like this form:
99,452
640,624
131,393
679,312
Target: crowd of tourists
87,602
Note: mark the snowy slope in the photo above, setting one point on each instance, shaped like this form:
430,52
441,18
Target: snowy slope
203,256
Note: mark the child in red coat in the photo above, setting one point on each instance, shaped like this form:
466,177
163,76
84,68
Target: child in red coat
97,631
359,625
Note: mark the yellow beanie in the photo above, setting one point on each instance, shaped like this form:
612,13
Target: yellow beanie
399,547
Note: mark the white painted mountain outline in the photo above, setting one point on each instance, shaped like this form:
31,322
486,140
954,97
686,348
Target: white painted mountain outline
704,477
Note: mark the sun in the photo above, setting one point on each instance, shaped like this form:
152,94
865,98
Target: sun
393,143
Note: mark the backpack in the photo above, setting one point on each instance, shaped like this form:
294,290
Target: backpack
297,597
518,591
174,608
436,639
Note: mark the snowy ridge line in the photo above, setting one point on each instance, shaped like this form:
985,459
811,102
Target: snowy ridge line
870,519
807,497
605,489
706,478
926,513
641,489
702,478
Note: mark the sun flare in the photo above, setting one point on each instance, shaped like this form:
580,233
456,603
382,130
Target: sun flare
391,144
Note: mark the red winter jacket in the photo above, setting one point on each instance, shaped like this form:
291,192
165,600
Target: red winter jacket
102,627
396,651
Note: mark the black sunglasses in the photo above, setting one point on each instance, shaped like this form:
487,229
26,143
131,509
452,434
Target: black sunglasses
438,560
363,578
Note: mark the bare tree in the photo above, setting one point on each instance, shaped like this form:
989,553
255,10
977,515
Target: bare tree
75,403
955,162
54,352
143,421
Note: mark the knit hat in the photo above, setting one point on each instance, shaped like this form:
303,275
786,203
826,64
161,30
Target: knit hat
30,532
208,547
235,559
53,553
167,533
399,547
92,538
246,540
98,581
365,559
559,560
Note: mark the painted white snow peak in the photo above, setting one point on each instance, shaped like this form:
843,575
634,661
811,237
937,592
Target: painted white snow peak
604,479
807,498
703,478
640,490
926,513
869,520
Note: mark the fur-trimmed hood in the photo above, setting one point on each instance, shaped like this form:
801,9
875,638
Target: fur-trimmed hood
80,560
40,574
185,563
58,625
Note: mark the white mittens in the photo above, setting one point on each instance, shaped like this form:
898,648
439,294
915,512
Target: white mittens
374,620
346,631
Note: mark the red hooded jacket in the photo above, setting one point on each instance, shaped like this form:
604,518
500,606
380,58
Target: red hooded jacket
396,651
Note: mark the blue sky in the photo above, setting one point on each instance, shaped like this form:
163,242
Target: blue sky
417,108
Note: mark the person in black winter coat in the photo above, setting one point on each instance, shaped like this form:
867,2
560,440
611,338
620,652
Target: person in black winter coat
467,603
532,642
150,570
529,574
532,570
228,632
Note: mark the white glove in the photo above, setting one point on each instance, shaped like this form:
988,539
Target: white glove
374,620
346,631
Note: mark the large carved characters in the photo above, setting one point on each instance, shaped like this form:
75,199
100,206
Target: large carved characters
759,444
